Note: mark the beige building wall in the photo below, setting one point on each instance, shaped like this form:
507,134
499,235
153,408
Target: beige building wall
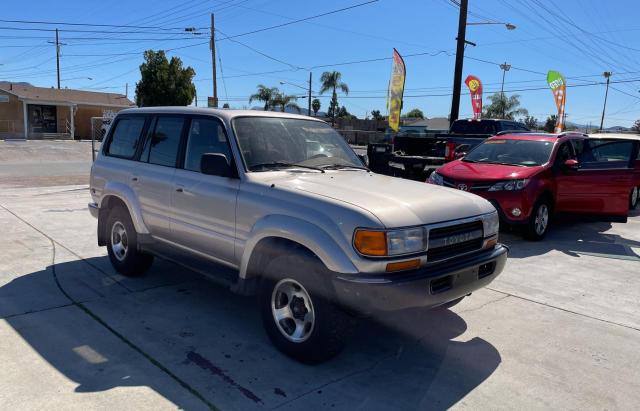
11,117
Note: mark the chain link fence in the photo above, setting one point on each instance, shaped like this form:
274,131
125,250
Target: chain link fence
99,128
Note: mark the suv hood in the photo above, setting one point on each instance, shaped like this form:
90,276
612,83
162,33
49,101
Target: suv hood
394,201
461,170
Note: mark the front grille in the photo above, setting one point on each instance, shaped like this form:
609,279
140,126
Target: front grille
449,241
468,186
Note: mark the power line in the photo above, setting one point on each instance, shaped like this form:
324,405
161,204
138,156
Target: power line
299,20
62,23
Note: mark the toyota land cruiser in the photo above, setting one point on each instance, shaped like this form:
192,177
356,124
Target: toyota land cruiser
279,206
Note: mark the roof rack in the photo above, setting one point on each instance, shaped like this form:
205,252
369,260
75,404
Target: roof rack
502,133
572,133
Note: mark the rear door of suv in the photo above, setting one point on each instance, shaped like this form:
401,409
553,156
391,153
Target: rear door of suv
601,182
152,180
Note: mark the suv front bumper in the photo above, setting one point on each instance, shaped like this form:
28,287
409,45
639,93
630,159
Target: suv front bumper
429,286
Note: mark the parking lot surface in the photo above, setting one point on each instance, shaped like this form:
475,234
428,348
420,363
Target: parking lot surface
560,328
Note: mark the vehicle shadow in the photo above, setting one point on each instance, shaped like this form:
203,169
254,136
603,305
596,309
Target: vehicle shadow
574,236
213,341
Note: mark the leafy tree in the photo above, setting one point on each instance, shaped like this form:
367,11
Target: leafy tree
331,80
415,113
550,124
636,126
225,105
163,82
503,107
266,95
531,122
344,113
375,114
315,106
285,101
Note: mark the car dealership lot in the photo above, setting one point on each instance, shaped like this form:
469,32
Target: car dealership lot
559,328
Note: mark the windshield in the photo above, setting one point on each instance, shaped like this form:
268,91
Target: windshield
269,142
512,152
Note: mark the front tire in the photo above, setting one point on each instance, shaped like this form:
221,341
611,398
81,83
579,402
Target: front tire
633,197
298,312
538,223
122,245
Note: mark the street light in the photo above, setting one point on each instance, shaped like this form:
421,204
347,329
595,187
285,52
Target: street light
457,77
504,67
509,26
77,78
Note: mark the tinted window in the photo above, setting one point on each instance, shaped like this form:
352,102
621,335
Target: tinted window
473,127
602,154
165,141
205,136
126,136
564,153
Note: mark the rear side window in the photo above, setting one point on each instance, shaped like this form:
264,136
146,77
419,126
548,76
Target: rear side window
205,136
165,141
126,137
603,154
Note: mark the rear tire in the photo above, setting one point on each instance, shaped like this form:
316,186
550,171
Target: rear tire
298,311
633,197
539,221
122,245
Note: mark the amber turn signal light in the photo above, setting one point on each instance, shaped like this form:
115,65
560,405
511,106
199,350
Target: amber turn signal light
372,243
403,265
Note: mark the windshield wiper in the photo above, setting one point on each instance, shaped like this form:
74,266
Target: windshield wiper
341,166
284,164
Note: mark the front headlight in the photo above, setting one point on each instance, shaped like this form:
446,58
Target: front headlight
510,185
390,243
490,224
435,178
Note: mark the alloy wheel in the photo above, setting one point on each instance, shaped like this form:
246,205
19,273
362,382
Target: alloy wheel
292,310
119,240
542,219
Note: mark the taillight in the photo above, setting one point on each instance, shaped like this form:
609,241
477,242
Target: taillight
450,151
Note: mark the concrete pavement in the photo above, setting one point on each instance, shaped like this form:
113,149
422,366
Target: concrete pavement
560,328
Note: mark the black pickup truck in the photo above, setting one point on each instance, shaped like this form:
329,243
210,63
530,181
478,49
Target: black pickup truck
416,155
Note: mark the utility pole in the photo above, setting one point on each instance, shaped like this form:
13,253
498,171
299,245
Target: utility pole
126,90
457,77
505,67
213,61
57,44
607,74
309,109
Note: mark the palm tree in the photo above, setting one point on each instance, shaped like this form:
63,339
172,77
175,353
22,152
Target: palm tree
266,94
503,107
331,80
285,101
315,105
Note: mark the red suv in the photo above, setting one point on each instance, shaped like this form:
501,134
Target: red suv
530,176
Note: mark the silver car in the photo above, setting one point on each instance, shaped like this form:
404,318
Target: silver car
279,206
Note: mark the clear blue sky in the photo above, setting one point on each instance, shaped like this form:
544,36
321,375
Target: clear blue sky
580,38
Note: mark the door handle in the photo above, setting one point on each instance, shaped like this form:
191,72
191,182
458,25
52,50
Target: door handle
180,190
134,179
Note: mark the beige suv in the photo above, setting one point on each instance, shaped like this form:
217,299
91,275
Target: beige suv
279,206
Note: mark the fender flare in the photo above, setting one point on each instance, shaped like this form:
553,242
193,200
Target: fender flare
128,197
299,231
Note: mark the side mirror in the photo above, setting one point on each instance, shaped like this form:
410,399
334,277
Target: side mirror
215,164
459,155
571,163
